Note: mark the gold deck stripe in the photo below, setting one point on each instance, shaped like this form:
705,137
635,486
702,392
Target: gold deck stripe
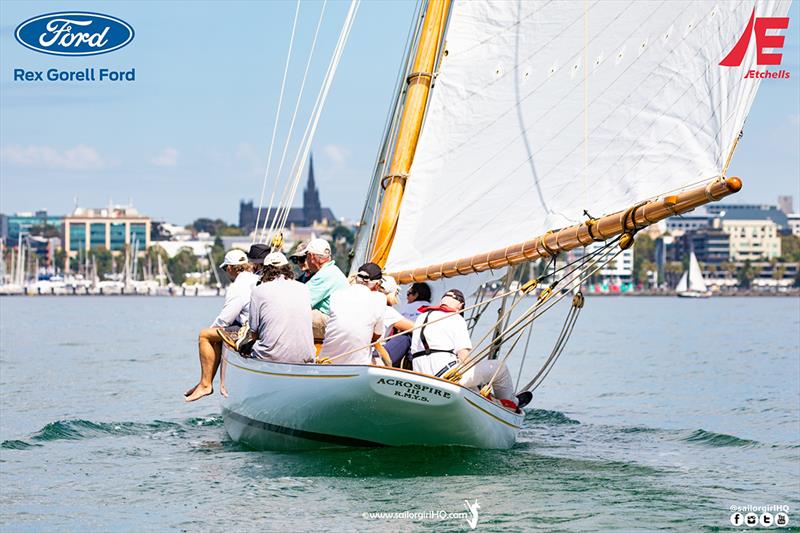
476,406
288,375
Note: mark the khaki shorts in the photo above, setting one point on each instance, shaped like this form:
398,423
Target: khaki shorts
319,322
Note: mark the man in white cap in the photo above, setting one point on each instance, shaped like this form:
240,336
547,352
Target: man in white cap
326,279
356,319
280,312
234,313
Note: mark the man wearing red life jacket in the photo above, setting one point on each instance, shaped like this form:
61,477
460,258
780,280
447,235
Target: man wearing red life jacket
438,344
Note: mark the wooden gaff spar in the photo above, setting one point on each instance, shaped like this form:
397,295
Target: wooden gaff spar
579,235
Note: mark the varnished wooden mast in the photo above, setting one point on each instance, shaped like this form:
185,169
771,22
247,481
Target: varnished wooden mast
579,235
419,84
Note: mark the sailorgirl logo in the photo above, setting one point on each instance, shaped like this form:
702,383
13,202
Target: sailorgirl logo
74,33
759,26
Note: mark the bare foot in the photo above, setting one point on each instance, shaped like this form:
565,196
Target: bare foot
199,392
190,391
223,390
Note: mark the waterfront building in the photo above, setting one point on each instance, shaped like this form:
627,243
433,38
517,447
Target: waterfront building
752,240
793,219
710,245
11,226
786,204
312,213
620,270
112,228
749,212
699,218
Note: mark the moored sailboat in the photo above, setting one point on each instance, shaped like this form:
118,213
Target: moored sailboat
516,120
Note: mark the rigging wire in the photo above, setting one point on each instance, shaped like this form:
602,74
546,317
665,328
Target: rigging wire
287,197
312,126
532,313
277,119
294,114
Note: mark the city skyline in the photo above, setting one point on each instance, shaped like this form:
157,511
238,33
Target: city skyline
189,138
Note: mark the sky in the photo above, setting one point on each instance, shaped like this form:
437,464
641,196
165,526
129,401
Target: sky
190,137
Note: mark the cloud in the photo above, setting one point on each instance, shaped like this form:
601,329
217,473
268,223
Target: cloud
167,158
81,157
336,153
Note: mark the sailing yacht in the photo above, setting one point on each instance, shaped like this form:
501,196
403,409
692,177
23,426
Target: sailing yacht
520,130
692,284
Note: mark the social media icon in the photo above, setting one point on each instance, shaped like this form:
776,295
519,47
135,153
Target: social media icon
751,519
766,519
781,519
737,519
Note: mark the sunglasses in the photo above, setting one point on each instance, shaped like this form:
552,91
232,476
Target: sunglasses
298,260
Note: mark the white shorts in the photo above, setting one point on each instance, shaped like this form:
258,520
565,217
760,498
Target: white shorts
432,364
480,374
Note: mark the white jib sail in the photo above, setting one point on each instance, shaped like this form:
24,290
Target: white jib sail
502,156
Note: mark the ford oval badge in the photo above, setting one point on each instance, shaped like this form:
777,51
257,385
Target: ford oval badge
74,33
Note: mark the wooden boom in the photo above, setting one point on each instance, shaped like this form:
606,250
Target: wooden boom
565,239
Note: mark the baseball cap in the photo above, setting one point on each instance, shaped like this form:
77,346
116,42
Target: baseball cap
455,294
234,257
257,253
318,247
276,259
300,251
369,272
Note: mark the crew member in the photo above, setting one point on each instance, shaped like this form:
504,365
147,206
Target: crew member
326,279
356,318
234,314
280,312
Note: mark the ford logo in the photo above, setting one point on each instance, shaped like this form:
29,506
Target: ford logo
74,33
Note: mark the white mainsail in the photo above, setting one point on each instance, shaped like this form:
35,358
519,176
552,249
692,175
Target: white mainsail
503,155
692,279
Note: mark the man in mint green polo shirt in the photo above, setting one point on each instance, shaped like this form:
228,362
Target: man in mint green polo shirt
326,278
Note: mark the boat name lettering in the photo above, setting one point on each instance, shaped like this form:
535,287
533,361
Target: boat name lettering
413,388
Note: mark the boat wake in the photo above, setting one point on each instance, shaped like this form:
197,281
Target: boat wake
545,417
709,438
79,429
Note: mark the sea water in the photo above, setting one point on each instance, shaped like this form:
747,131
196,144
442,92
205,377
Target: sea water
661,413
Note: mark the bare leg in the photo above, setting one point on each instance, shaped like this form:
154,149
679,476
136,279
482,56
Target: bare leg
210,348
222,389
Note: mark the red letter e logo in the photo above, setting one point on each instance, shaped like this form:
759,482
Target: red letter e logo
761,24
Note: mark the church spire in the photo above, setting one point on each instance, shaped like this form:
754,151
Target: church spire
312,209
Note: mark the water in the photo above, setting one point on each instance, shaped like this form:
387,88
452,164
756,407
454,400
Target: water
661,413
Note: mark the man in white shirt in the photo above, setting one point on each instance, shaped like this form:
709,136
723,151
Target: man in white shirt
438,347
280,312
235,312
356,318
440,337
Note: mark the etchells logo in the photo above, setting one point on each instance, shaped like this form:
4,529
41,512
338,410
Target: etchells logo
759,26
74,33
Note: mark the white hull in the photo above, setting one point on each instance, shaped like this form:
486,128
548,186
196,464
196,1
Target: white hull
283,406
693,294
